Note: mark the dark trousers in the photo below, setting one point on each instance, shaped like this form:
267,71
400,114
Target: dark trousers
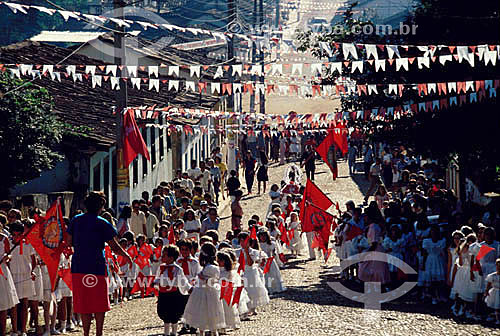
249,180
310,174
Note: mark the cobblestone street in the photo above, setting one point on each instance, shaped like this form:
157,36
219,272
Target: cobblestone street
310,306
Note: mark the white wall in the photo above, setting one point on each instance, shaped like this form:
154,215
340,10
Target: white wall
197,146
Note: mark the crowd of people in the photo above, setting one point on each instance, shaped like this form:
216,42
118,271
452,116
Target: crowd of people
170,244
453,247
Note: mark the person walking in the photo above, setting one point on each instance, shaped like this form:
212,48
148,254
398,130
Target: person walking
249,164
368,159
309,161
88,233
374,177
351,158
262,170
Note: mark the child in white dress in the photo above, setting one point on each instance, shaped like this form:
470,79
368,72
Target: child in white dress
254,285
204,308
434,248
492,292
8,294
466,285
451,269
63,294
296,242
22,264
272,278
227,274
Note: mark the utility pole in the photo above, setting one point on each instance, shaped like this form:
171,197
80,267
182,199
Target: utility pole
231,136
261,24
122,174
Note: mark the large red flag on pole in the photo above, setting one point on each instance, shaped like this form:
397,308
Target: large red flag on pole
337,137
133,143
313,214
46,237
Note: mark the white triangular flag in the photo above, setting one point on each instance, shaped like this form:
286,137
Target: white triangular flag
469,85
423,61
71,69
15,72
190,86
401,63
393,88
25,69
136,82
219,72
194,70
336,66
276,68
371,50
215,87
379,64
316,69
173,70
132,70
237,69
153,70
16,7
349,49
490,56
391,50
95,18
48,68
115,83
119,22
173,84
237,87
372,88
90,69
111,69
297,67
45,10
256,70
445,58
357,65
96,80
67,14
326,47
154,83
452,87
431,88
481,49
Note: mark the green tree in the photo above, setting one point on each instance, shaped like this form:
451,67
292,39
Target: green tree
29,132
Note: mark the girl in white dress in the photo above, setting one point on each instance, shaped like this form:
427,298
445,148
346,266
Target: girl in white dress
63,294
8,295
272,278
492,292
21,265
434,263
451,269
231,313
466,281
204,308
296,242
394,245
254,284
192,225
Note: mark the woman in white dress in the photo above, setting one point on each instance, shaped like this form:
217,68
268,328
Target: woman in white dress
434,263
204,308
8,294
272,278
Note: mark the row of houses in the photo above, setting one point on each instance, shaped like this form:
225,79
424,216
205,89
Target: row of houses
90,161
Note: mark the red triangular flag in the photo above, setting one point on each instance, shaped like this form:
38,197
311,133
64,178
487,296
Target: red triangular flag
253,232
133,143
327,148
226,291
237,295
171,235
484,250
268,265
65,275
46,237
241,262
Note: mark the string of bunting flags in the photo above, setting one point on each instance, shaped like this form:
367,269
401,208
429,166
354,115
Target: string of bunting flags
489,51
269,124
220,88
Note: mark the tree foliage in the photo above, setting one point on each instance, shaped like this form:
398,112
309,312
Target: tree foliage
467,131
29,132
